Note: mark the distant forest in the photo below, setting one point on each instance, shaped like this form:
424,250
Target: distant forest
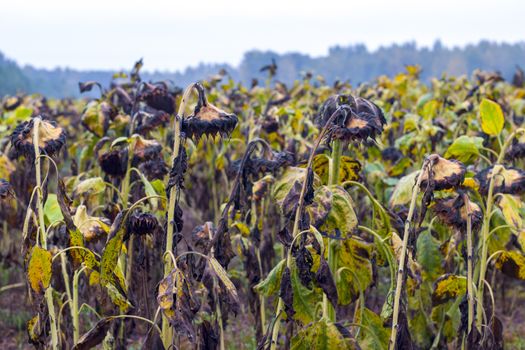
354,63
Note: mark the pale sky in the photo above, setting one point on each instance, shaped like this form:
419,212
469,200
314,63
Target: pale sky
171,35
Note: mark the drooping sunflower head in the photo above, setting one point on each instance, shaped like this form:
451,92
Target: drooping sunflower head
158,97
141,223
358,119
50,137
113,162
442,174
208,119
506,180
146,149
454,211
517,150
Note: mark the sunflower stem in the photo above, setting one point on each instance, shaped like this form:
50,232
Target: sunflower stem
333,179
42,228
470,287
401,266
167,331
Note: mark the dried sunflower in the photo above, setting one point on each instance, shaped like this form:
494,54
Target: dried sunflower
146,150
506,180
113,163
142,223
517,150
51,137
442,173
97,116
158,97
207,119
359,118
453,212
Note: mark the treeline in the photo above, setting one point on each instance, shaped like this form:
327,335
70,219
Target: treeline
354,63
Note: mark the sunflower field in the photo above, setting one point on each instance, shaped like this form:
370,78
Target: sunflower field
386,215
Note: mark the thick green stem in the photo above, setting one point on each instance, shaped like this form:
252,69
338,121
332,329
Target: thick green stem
333,179
401,265
484,249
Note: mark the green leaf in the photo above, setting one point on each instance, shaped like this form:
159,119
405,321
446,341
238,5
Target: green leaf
91,186
150,191
270,285
448,287
375,336
304,299
429,255
355,270
52,209
402,193
323,335
465,148
39,269
492,119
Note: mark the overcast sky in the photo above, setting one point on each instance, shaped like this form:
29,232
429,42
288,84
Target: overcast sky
173,34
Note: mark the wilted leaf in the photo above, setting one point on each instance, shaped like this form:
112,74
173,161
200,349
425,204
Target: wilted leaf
94,336
91,227
323,335
112,249
325,280
118,298
340,220
221,273
512,264
270,285
354,267
348,168
448,287
375,336
511,207
492,118
39,269
402,193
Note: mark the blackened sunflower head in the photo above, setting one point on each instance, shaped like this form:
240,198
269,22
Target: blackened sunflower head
113,162
358,119
146,149
453,211
159,98
442,173
517,150
506,180
50,137
141,223
208,119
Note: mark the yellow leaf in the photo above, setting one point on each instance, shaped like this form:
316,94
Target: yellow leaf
39,269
